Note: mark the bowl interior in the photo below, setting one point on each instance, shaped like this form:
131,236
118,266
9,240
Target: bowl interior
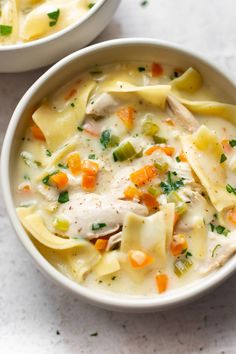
58,75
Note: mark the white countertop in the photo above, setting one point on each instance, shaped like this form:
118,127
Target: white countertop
33,310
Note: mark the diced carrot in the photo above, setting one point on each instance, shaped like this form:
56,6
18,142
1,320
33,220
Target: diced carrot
226,145
162,282
70,94
101,244
127,115
132,192
37,132
183,157
178,245
157,69
176,218
60,179
88,182
168,150
150,201
139,259
89,167
169,121
143,175
24,187
231,216
74,163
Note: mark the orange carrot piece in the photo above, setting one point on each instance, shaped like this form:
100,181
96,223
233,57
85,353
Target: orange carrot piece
70,94
231,216
88,182
150,201
101,244
168,150
126,114
226,145
183,157
139,259
74,163
162,282
37,132
178,245
176,218
89,167
169,121
143,175
132,192
60,179
157,70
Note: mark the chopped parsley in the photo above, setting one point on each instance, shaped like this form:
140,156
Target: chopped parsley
232,143
212,226
172,183
46,179
221,230
62,165
72,105
48,153
26,177
144,3
94,334
223,158
80,128
91,4
141,68
214,249
113,278
5,30
92,157
230,189
98,226
177,159
63,197
107,139
54,17
186,253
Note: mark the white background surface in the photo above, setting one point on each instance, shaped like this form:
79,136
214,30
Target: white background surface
32,309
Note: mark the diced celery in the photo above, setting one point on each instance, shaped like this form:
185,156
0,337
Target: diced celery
114,140
174,197
159,139
161,167
181,208
155,191
61,224
182,265
149,127
124,152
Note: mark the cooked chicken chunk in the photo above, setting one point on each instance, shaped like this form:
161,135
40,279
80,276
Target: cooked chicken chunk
101,105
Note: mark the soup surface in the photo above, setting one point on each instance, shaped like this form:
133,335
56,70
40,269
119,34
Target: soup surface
125,178
27,20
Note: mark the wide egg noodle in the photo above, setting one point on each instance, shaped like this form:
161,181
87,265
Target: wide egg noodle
204,151
190,81
108,264
9,17
58,127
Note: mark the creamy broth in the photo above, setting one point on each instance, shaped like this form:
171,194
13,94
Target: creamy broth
126,178
27,20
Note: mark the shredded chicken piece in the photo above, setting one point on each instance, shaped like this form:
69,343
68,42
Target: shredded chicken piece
101,105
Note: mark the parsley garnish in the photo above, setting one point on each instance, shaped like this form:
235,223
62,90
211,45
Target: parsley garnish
223,158
26,177
80,128
63,197
172,184
98,226
105,138
214,250
94,334
91,5
232,143
62,165
92,156
212,227
144,3
54,17
48,153
46,179
221,230
72,105
141,68
177,159
230,189
5,30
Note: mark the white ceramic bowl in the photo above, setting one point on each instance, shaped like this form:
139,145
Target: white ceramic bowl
63,71
48,50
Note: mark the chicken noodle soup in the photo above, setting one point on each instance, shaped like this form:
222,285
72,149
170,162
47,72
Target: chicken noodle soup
126,178
27,20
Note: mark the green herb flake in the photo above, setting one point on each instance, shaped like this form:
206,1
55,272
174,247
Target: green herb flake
232,143
144,3
221,230
214,250
212,227
48,153
223,158
72,105
5,30
63,197
230,189
177,159
26,178
80,128
113,278
172,184
105,138
98,226
92,157
141,69
90,5
54,17
95,334
62,165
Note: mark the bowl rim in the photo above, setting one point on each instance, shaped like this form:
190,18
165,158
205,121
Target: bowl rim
56,35
112,301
